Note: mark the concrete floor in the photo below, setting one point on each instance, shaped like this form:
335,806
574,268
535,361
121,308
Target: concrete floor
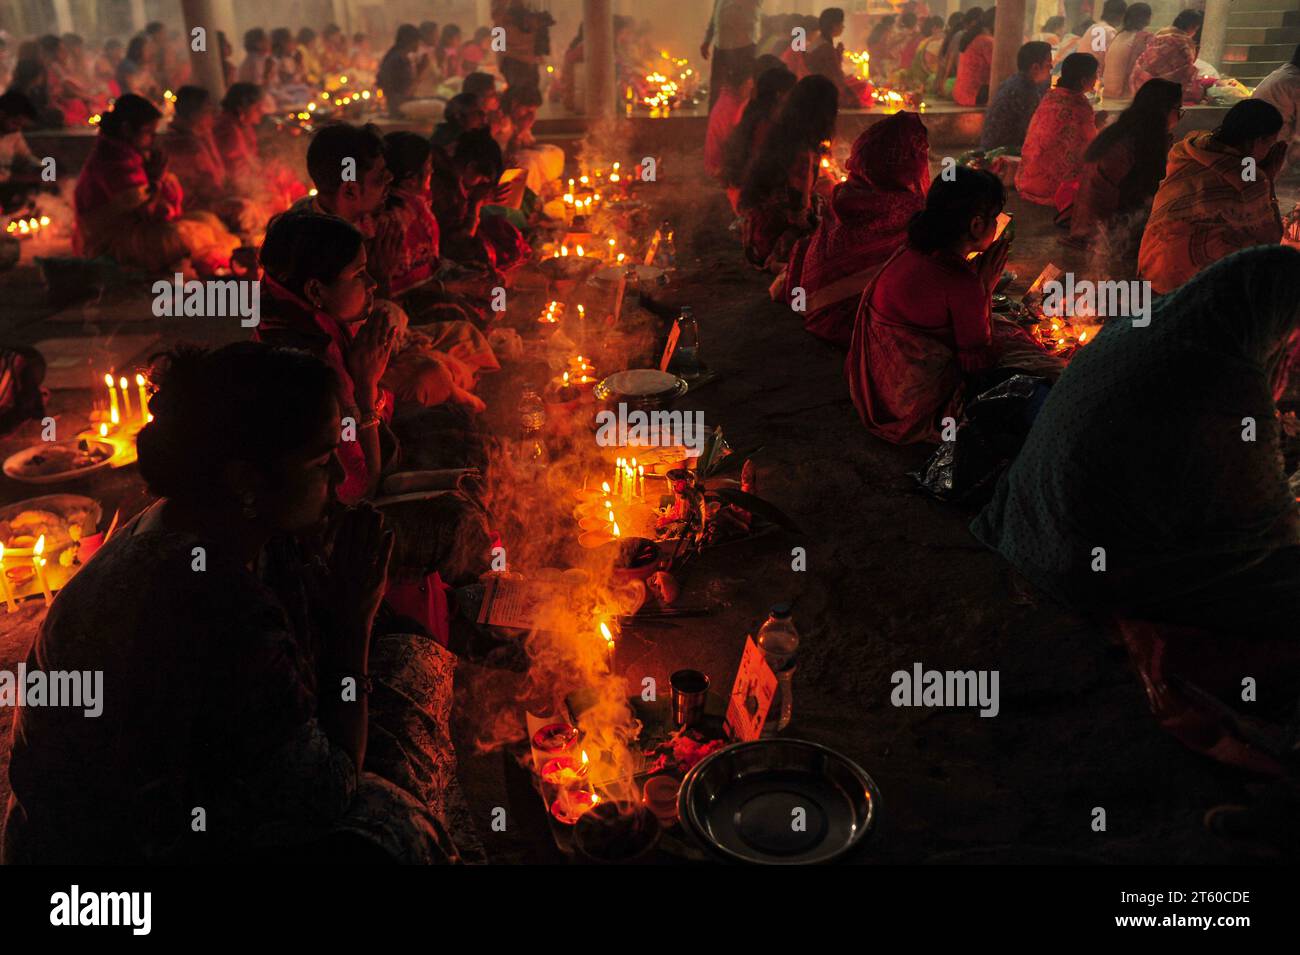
893,578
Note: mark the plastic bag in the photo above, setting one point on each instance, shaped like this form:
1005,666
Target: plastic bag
993,427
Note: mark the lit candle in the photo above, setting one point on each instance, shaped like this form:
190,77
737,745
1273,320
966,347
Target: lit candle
38,564
126,399
113,414
640,473
609,648
4,582
144,397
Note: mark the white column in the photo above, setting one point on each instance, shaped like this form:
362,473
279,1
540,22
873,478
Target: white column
598,52
342,12
62,17
1008,35
1214,31
138,19
223,12
205,67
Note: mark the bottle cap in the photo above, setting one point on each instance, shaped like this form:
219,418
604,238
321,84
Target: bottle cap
781,611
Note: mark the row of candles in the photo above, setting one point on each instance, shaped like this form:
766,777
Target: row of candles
581,252
121,413
28,226
37,558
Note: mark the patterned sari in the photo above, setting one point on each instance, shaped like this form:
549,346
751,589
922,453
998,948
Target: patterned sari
866,220
1059,134
1170,55
1204,210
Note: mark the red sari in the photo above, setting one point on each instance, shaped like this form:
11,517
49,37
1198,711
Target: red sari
974,67
1058,136
122,214
922,320
865,222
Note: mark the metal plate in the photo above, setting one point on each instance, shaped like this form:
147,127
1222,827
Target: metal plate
778,802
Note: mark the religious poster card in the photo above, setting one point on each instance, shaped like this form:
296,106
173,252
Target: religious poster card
673,336
751,695
511,603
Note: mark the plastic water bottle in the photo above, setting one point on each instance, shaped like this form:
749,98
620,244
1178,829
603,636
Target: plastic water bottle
779,641
532,423
686,356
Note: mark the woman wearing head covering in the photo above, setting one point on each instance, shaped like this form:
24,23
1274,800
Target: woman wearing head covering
1171,55
1216,198
129,207
865,222
1151,487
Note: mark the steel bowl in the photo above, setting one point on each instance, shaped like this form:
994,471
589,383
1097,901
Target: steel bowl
778,802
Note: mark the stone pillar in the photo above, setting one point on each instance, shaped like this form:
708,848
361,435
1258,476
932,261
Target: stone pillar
224,13
205,67
598,52
1214,31
1008,35
138,17
62,17
342,13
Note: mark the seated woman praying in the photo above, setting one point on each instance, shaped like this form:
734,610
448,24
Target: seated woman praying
264,181
925,328
361,198
778,204
1171,55
1157,459
1059,134
464,182
747,139
1122,169
317,295
1207,207
425,285
865,221
230,689
128,206
975,62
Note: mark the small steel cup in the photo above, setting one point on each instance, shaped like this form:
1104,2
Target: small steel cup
690,690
